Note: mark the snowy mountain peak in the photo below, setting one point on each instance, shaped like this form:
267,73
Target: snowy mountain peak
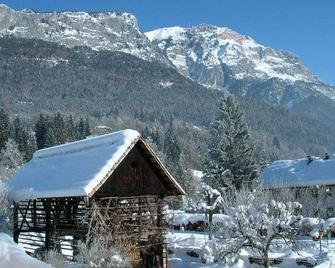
203,52
208,30
3,6
115,31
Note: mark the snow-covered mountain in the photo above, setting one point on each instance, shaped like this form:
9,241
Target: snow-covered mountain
113,31
221,58
215,57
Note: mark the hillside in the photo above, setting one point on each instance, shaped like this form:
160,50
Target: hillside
124,91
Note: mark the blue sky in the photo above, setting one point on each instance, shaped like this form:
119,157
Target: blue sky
304,27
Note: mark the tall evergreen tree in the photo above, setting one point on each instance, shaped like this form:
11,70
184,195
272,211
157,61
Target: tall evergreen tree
4,128
20,135
70,129
172,151
83,129
58,132
41,129
231,148
32,146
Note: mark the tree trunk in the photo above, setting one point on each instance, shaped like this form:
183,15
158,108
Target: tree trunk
210,218
266,259
210,223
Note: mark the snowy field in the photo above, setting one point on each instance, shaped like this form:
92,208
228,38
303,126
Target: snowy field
182,242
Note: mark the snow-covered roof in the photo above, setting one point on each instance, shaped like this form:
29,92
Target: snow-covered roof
297,173
74,169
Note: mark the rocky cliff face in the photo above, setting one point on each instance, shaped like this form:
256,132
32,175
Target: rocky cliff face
112,31
220,58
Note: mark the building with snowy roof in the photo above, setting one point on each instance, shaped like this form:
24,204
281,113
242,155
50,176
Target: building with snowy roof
55,191
309,178
300,173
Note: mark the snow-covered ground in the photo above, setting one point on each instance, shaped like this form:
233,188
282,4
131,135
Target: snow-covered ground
14,256
182,242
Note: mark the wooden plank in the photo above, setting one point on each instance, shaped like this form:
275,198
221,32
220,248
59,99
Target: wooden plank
16,231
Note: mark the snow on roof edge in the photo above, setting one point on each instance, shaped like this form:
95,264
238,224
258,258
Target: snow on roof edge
299,173
109,168
90,142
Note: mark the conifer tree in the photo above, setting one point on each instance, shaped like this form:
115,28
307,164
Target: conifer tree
41,129
70,129
4,128
83,129
231,148
32,146
20,135
58,132
172,151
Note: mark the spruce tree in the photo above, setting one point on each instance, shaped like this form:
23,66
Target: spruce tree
83,129
20,135
41,129
70,129
32,146
58,130
231,158
172,151
4,128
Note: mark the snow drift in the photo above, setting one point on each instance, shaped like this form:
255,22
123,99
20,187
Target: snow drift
14,256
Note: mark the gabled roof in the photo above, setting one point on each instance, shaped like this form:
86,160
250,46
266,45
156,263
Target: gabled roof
297,173
78,168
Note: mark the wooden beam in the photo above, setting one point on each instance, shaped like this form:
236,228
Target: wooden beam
24,216
16,231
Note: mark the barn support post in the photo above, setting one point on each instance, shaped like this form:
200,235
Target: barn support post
160,223
48,227
34,217
16,231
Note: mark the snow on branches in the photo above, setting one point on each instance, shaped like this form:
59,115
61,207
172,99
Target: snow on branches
212,197
257,222
10,159
4,208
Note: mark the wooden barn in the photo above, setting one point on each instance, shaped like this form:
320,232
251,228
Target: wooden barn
118,173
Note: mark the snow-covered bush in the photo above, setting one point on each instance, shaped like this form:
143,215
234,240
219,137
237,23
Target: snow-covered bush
207,200
257,222
5,208
54,258
212,201
316,201
98,254
104,246
11,158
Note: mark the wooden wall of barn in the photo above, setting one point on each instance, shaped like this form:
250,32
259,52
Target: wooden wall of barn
137,174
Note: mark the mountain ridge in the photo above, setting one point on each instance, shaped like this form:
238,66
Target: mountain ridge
114,31
212,56
218,57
